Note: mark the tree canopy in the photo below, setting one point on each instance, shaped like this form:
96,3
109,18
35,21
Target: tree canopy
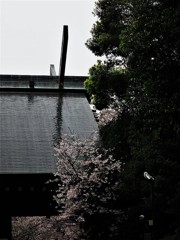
142,38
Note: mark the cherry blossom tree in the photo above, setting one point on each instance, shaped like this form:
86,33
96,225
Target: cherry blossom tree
88,177
34,228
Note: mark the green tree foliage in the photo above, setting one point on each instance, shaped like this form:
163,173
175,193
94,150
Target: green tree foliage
145,36
112,19
104,82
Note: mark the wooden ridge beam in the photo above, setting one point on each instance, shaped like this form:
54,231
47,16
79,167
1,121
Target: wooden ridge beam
63,56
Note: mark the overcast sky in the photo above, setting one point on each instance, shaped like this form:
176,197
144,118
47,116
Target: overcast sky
31,35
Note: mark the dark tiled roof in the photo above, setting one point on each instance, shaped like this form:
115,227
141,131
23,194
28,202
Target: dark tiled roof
32,123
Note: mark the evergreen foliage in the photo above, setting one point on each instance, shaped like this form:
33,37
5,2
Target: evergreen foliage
104,82
143,36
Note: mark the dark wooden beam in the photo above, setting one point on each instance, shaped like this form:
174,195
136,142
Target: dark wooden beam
63,56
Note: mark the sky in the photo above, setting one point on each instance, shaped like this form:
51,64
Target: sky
31,36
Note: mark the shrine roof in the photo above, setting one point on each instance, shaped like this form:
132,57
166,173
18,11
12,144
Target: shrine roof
32,123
